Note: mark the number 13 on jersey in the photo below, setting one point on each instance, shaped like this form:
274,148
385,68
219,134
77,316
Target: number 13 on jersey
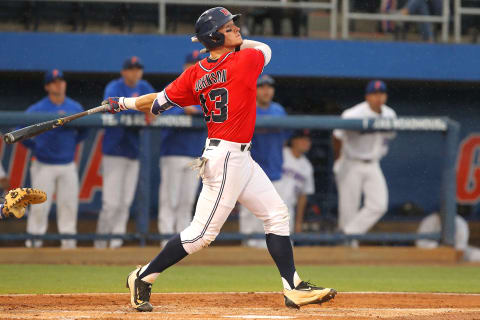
215,106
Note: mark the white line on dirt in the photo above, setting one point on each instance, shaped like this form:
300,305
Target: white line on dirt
244,292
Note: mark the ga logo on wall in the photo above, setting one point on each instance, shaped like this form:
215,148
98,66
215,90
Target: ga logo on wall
468,170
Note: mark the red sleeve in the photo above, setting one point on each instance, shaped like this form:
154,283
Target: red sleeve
180,91
252,60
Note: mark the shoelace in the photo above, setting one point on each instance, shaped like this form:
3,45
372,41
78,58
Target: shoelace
311,285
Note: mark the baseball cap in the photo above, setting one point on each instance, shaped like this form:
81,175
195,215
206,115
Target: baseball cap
193,57
300,133
265,79
133,62
376,86
53,75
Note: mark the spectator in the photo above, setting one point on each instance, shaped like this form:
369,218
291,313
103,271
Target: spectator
120,164
297,180
52,168
179,184
4,183
267,151
357,168
432,224
426,8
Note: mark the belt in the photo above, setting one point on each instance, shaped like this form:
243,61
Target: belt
243,146
361,160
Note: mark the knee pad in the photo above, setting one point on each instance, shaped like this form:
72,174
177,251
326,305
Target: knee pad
278,222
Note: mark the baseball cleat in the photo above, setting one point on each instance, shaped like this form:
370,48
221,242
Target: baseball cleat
140,291
307,293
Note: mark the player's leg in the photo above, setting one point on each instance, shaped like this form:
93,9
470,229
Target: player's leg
129,186
375,201
43,177
67,203
261,198
224,178
188,194
169,197
113,169
349,187
249,224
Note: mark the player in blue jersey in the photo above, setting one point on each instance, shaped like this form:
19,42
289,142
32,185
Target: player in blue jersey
120,164
267,151
179,184
53,168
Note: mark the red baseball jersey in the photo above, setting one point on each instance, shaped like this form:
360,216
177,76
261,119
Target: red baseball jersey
226,89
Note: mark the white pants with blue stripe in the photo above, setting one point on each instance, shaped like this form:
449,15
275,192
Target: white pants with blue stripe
232,175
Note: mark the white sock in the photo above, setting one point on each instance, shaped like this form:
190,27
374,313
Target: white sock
149,278
296,281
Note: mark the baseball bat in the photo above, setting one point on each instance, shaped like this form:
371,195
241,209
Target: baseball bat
36,129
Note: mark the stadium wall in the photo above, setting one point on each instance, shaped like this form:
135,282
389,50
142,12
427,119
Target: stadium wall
78,52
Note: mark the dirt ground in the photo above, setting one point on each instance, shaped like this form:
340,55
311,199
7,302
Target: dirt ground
419,306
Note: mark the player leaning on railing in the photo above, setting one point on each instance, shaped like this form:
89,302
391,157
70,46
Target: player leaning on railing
225,85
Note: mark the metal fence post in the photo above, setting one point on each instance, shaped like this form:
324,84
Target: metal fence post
162,16
458,21
449,184
144,186
333,19
446,20
345,18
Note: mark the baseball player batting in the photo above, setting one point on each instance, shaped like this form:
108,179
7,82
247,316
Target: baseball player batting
224,84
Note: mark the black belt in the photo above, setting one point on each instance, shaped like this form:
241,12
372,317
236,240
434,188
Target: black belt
216,142
361,160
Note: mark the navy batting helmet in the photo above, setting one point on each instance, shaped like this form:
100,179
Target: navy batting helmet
206,28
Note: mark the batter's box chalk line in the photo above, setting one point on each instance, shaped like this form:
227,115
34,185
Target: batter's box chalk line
252,316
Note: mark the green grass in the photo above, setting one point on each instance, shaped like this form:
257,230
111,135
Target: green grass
78,279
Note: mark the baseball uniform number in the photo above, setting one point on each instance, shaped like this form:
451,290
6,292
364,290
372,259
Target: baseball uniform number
220,97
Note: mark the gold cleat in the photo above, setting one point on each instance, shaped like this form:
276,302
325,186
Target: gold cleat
307,293
140,291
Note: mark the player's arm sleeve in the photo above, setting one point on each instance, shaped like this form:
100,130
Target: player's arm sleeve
310,183
260,46
178,93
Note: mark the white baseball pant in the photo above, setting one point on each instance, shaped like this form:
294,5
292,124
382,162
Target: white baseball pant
51,178
232,175
354,178
120,177
178,188
249,223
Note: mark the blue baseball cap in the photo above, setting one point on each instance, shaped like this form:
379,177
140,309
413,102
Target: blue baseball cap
132,63
53,75
265,79
193,57
376,86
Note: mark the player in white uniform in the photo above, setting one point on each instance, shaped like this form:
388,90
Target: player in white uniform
120,164
357,165
179,184
53,168
225,85
297,180
432,224
3,180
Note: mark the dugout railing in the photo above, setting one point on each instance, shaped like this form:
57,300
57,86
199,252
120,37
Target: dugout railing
459,12
328,5
448,128
347,15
